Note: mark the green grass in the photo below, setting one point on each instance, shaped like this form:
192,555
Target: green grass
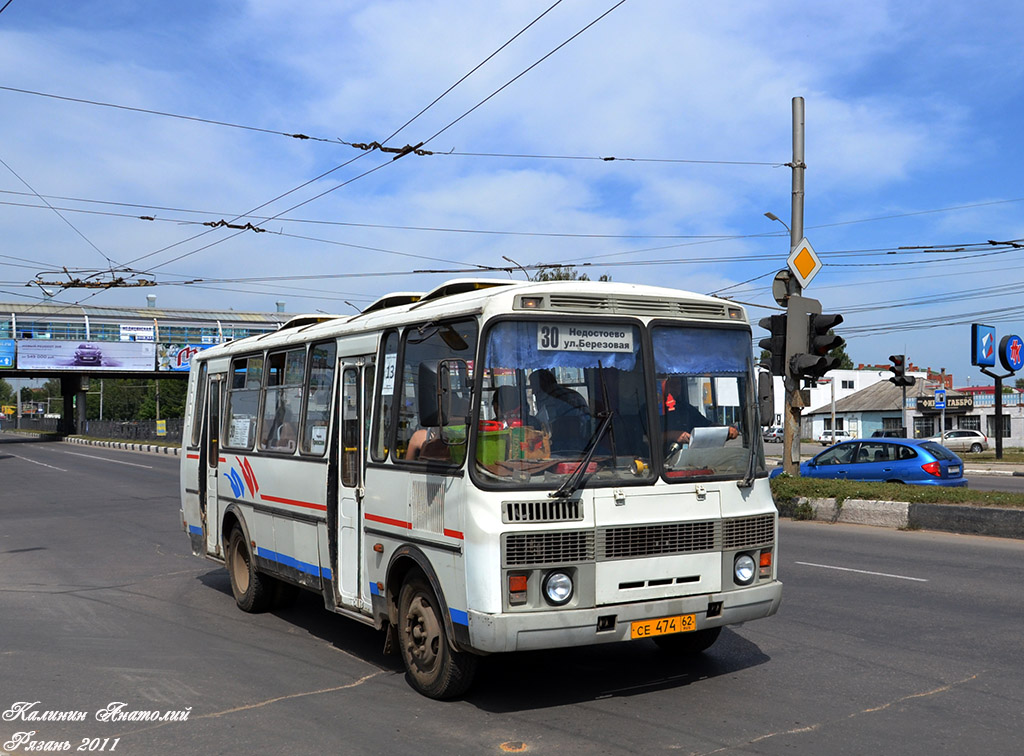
787,490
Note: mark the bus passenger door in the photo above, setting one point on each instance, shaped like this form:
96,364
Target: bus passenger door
211,504
350,480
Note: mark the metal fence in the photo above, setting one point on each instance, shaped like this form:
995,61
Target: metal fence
136,430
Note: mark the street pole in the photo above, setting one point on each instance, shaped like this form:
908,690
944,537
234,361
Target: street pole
999,409
942,420
832,381
791,417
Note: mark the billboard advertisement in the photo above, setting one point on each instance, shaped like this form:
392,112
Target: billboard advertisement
177,356
6,353
137,332
44,354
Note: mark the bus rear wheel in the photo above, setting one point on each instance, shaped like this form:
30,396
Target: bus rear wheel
250,589
433,667
688,644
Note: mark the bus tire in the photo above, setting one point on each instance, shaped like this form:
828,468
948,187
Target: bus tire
688,644
251,590
432,667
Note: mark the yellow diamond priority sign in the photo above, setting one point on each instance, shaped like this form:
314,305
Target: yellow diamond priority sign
804,263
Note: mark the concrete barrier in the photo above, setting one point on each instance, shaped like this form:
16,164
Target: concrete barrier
126,446
950,518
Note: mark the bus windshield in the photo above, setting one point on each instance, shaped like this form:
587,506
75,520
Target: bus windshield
547,387
705,404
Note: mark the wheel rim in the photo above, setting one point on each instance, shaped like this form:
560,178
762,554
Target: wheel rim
240,568
422,634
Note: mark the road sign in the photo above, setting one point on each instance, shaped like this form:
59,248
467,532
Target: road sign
940,399
804,262
1011,352
983,345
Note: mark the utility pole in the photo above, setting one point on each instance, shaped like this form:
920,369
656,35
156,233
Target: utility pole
791,414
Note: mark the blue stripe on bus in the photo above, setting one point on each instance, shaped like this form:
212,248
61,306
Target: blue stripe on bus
373,589
459,617
312,569
194,530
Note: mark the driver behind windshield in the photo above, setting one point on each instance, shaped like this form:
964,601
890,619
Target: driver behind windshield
679,417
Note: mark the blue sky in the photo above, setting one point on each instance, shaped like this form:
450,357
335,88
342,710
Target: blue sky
912,121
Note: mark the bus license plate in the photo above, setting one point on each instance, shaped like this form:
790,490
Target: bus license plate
683,623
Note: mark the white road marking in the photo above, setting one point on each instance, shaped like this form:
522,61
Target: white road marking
863,572
34,462
106,459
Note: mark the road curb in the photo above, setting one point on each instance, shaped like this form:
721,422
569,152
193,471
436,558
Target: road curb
949,518
126,446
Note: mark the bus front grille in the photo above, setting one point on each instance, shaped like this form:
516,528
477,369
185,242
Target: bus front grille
656,540
747,532
562,547
637,541
552,510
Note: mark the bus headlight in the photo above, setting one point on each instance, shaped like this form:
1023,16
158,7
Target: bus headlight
557,588
743,569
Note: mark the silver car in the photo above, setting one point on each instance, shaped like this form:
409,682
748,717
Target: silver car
962,440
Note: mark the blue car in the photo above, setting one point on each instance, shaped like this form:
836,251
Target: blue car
893,460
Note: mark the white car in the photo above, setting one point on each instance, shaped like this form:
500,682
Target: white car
962,440
834,437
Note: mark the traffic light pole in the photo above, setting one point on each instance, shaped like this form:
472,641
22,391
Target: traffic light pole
791,416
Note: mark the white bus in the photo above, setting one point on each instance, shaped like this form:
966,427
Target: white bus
492,466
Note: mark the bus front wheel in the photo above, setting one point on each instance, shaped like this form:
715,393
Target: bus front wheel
251,592
434,668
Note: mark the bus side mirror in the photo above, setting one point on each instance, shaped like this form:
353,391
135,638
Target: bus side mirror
453,400
766,398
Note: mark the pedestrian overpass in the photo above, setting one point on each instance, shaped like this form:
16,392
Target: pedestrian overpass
76,342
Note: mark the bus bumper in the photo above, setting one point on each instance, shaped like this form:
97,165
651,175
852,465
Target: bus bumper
497,633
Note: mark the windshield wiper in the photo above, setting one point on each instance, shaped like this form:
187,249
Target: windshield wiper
748,479
575,479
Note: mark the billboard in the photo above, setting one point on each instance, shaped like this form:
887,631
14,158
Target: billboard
137,332
177,356
44,354
983,345
6,353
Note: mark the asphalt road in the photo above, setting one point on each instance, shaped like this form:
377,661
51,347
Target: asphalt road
886,642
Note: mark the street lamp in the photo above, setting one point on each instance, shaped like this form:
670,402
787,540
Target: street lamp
774,217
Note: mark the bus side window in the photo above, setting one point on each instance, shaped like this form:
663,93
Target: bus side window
243,401
317,415
283,400
199,408
382,430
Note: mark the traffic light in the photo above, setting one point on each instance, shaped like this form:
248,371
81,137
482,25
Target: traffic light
776,343
810,339
899,371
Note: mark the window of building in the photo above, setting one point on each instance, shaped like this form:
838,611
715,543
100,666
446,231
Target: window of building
828,423
970,422
892,423
991,419
847,384
924,427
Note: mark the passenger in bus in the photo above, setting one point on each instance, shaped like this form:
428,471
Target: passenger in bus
427,442
679,417
564,411
508,408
